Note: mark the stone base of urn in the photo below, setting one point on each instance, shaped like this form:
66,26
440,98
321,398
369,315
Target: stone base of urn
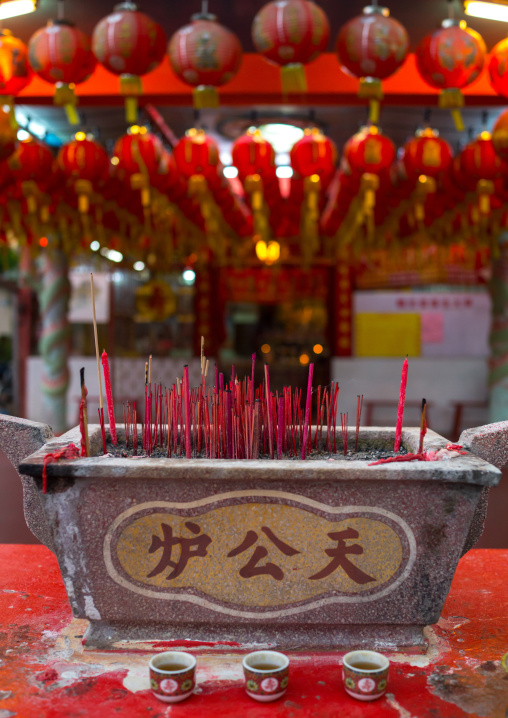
293,554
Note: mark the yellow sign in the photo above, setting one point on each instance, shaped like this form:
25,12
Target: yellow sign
387,335
257,554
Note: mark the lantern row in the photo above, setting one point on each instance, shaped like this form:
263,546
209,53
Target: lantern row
207,55
143,179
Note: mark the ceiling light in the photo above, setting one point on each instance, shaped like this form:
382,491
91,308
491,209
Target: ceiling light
13,8
230,172
95,245
139,266
284,172
23,135
112,254
281,136
188,276
487,10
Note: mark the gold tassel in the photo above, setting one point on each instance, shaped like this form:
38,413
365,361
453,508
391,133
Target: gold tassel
83,190
293,78
131,87
9,101
66,97
485,188
205,96
452,99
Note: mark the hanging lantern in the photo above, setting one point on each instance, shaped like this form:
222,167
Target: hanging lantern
129,44
426,155
500,136
15,72
205,55
314,154
60,53
369,151
139,154
498,67
8,136
32,161
197,154
30,166
252,155
291,34
372,47
84,162
478,160
450,59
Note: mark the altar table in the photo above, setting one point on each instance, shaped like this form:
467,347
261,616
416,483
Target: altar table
47,672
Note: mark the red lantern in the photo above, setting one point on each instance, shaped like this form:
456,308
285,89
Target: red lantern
500,136
138,152
129,44
372,47
450,59
15,72
252,155
197,154
369,151
85,163
31,162
205,55
291,34
138,155
60,53
478,160
8,136
426,154
498,67
314,154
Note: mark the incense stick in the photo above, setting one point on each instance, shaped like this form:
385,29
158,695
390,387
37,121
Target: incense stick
359,406
84,393
308,404
101,407
402,401
423,425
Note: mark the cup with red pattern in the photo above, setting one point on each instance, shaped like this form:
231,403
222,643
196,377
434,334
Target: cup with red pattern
172,676
365,674
266,675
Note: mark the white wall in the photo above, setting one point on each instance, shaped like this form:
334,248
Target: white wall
443,382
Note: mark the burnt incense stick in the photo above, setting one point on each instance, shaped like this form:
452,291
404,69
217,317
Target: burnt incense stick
101,406
84,394
423,425
359,406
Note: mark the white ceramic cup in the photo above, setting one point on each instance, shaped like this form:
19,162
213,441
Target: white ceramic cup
172,686
264,684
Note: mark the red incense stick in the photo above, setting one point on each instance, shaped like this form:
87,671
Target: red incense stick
280,427
187,413
269,410
423,425
402,401
109,398
359,406
101,410
308,404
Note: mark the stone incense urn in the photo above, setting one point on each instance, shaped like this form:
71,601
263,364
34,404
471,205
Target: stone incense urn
294,554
